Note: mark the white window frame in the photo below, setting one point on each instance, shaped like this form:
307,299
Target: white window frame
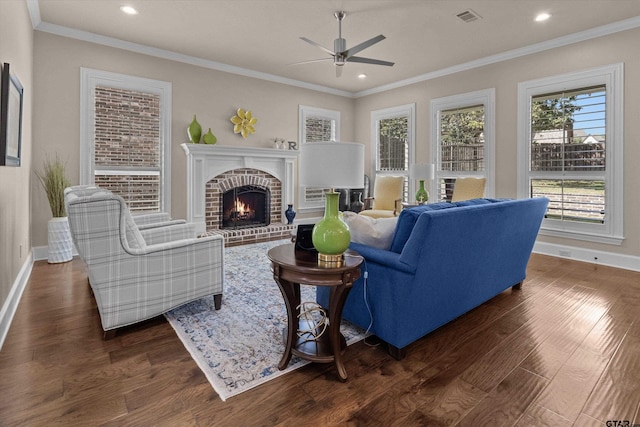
305,112
612,76
485,97
89,80
408,111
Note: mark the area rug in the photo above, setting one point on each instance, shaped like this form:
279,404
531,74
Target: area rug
239,346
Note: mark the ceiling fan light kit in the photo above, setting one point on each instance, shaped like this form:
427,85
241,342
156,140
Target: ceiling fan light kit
340,54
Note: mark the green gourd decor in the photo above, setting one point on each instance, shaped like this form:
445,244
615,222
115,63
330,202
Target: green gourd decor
209,138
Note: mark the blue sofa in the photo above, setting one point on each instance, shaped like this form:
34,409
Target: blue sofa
445,259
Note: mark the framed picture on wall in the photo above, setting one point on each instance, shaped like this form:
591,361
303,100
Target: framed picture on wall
11,101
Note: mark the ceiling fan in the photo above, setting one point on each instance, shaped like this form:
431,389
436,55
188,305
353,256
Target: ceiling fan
340,54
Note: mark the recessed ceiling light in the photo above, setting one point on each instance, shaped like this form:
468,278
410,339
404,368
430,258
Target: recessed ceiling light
128,10
362,76
542,17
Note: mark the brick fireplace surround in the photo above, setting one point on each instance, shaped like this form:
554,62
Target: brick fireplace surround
214,169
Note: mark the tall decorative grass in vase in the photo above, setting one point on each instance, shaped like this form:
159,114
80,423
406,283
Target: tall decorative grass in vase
54,180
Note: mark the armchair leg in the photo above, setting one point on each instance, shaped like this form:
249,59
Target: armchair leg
109,335
517,286
217,301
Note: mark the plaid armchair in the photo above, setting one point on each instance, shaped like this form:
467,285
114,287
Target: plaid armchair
143,221
138,274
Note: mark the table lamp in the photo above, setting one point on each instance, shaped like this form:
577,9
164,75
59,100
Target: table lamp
421,172
331,165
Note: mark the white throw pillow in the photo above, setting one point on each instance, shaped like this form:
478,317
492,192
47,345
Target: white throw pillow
370,231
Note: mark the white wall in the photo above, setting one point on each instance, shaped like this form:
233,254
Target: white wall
16,48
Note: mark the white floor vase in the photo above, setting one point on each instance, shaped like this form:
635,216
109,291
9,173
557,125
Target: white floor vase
60,246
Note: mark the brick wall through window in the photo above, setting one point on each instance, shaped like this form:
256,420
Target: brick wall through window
127,149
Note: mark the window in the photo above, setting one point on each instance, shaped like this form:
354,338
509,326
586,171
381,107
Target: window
316,124
125,132
393,133
463,134
570,145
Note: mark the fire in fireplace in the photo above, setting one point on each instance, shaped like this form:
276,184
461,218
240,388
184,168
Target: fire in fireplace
245,207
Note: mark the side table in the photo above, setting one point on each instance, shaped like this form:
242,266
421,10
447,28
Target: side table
290,270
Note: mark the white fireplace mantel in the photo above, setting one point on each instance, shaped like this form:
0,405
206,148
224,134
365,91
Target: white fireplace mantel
205,162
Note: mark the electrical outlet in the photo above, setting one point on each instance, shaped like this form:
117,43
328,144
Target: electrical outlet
564,253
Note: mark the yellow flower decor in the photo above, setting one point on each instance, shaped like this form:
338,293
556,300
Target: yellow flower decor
243,123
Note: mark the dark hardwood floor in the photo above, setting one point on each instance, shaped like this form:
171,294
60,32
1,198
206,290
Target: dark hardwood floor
564,350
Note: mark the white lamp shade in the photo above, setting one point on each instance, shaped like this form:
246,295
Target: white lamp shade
421,171
332,164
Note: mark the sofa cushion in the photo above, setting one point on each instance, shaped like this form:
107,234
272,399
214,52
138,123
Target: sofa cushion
377,213
407,219
134,239
472,202
370,231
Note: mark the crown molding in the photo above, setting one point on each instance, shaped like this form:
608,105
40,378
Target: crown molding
34,12
604,30
178,57
589,34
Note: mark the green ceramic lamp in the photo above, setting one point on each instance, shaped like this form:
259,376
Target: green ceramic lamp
421,172
331,165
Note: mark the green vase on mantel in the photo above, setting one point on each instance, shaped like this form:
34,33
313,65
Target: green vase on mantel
209,138
194,131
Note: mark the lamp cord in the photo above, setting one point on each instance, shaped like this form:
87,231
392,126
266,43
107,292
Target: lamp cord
366,303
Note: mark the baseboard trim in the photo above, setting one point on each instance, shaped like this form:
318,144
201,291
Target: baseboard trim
13,299
41,253
610,259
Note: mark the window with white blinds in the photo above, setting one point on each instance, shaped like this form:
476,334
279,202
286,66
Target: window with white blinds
570,144
127,148
394,129
125,128
463,132
461,146
568,155
316,124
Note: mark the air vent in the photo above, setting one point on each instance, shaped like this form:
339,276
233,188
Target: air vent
468,16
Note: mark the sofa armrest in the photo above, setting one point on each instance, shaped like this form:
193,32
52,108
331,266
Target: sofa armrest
176,245
367,203
397,206
384,258
149,218
157,235
151,225
160,224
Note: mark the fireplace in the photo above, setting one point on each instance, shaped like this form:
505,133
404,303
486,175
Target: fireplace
245,206
214,170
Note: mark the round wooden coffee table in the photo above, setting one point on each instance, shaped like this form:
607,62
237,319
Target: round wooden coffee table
291,269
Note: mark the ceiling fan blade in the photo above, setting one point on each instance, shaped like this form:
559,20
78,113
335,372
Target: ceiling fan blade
369,61
363,45
338,70
310,61
318,45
